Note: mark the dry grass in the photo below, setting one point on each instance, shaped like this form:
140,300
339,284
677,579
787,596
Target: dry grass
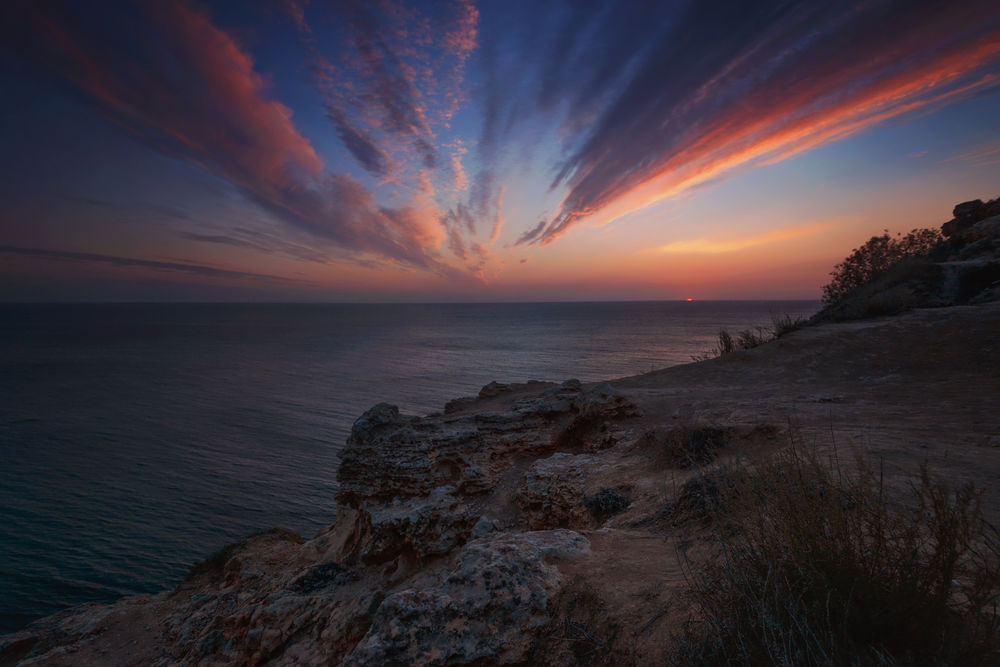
817,565
727,344
686,445
751,338
786,324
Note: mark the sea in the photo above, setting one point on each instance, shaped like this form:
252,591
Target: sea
136,439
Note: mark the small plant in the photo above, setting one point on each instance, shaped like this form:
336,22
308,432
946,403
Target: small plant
687,446
606,503
700,499
744,340
785,324
816,565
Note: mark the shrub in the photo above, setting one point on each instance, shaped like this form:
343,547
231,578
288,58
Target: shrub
727,344
816,566
750,338
786,324
874,258
606,503
687,446
700,499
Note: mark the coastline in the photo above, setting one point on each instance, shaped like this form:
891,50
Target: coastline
471,535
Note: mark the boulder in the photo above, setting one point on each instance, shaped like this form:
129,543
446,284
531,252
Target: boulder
494,389
603,402
967,209
487,609
423,527
551,492
389,455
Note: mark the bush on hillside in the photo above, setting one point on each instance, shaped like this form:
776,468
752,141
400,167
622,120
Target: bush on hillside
877,256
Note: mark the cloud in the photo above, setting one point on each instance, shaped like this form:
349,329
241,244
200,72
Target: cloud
168,75
129,262
984,155
389,75
712,246
742,84
484,202
530,235
359,143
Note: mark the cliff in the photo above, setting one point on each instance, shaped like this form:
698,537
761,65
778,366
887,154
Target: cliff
540,523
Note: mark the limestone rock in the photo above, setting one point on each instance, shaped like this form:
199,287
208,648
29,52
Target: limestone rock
604,402
494,389
551,492
427,526
389,455
487,609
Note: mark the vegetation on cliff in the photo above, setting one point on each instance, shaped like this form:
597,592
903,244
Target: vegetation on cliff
886,275
817,562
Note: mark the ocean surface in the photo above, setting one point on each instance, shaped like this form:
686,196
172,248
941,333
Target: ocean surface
137,439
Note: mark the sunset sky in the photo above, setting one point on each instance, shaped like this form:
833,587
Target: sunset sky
308,150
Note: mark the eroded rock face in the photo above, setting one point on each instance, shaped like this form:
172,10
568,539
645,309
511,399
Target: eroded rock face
551,492
426,526
603,402
969,213
487,609
417,569
392,456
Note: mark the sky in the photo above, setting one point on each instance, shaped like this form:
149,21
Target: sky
316,150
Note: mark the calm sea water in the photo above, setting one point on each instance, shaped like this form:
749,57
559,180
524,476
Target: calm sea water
136,439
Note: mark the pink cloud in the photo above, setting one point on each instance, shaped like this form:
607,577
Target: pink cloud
191,91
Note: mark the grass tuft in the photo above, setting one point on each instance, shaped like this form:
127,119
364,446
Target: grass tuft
606,503
816,565
748,339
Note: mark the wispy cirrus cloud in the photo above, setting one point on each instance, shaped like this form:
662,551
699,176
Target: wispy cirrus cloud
763,82
391,76
172,78
451,118
984,155
712,245
154,265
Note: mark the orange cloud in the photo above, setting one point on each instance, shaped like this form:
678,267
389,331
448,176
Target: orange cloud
715,245
771,124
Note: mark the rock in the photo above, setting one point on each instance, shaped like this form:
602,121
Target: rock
368,424
967,209
968,214
488,609
603,402
572,385
494,389
484,527
388,455
423,527
457,404
551,492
